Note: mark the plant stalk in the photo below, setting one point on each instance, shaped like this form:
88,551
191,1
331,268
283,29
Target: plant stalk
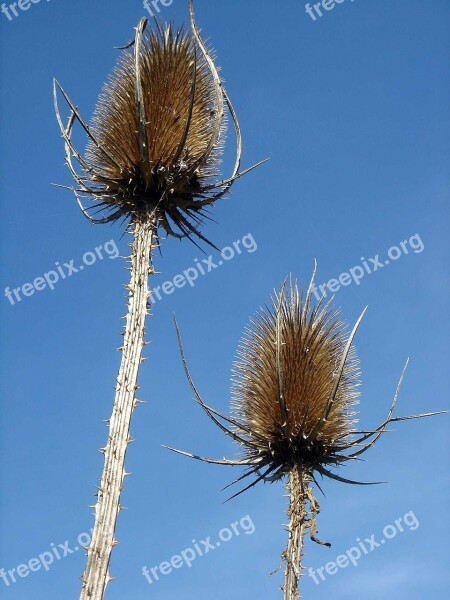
297,527
96,576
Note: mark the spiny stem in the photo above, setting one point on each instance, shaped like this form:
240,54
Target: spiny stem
297,526
96,577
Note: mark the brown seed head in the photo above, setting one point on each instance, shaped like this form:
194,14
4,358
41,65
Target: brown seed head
177,90
157,134
287,366
295,387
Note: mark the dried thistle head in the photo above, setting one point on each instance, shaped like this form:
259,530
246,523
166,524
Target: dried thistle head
284,378
295,388
157,134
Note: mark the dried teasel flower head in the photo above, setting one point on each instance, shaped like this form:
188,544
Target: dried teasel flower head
157,134
284,383
294,393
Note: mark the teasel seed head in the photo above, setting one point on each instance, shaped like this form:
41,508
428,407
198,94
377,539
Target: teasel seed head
294,393
283,379
156,139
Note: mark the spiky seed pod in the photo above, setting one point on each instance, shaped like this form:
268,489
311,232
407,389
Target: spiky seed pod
157,134
294,393
180,104
283,379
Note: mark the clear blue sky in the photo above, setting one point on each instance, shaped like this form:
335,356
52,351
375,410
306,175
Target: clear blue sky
352,110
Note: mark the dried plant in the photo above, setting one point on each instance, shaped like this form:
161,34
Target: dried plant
153,152
294,394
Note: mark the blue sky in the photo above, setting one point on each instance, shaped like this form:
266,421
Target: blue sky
352,110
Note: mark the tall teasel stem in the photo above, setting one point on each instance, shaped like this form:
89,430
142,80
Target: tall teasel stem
154,148
96,576
293,409
296,532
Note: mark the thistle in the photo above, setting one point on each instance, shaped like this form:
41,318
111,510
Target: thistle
154,147
294,395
